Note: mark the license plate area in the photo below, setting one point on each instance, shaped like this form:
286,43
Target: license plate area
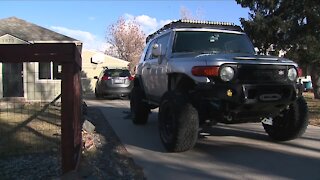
118,81
270,97
266,93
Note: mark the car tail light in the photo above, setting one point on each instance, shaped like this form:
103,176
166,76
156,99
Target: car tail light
300,72
105,78
131,78
205,70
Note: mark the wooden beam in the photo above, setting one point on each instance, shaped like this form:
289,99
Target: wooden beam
13,53
78,56
71,141
69,55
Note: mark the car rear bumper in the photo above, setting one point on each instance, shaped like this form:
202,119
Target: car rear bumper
121,91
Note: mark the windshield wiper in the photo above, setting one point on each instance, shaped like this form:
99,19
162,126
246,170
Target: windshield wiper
207,52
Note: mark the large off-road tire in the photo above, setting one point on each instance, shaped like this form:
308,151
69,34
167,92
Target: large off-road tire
178,122
291,123
139,109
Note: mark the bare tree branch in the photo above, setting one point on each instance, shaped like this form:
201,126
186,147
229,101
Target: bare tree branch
185,13
127,40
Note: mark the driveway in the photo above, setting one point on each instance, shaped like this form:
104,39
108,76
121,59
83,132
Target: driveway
240,151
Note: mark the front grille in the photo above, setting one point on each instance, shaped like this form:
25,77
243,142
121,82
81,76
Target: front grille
262,73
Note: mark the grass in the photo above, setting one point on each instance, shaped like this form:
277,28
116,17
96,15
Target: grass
314,108
29,128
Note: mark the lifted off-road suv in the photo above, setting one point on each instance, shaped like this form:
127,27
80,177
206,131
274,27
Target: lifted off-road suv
201,72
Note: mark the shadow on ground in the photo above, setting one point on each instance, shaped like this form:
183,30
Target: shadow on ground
233,146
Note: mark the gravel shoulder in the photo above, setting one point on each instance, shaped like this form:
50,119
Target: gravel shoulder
104,157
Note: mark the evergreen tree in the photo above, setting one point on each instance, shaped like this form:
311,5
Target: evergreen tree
290,25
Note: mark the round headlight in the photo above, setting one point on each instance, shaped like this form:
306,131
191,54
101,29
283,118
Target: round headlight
226,73
292,74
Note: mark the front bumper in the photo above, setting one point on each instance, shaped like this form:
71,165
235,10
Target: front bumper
247,102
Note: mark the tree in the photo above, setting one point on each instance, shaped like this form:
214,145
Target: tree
290,25
185,13
126,40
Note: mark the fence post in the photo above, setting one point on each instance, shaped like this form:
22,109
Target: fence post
70,116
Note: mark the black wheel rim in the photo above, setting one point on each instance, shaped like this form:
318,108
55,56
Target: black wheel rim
168,124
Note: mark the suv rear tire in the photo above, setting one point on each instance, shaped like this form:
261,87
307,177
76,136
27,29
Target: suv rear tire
291,123
178,122
139,109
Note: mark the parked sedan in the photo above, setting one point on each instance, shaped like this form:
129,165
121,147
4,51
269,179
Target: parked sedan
115,82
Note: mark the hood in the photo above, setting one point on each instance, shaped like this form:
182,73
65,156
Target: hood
213,59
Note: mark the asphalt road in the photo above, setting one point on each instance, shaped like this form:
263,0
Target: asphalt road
241,151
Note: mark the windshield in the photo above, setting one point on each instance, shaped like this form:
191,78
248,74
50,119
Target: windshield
211,42
117,73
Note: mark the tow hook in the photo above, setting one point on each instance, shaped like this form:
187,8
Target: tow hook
268,121
228,118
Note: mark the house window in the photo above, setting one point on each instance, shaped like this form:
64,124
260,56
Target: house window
49,70
44,70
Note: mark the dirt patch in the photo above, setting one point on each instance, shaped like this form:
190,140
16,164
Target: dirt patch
314,108
29,128
30,140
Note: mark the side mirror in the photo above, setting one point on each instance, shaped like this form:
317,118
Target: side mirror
96,77
156,50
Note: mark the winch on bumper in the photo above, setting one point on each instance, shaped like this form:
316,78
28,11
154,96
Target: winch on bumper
234,103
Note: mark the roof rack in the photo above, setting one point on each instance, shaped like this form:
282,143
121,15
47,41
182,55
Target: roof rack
115,67
185,23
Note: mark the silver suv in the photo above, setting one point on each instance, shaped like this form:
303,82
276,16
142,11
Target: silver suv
199,73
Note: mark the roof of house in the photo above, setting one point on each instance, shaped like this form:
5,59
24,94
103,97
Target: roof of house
30,32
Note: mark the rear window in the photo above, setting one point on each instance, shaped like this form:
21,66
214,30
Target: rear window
117,73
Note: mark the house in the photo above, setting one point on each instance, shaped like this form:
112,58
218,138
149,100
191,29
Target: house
30,81
92,64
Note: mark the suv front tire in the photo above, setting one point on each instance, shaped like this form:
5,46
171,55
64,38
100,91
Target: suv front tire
178,122
291,123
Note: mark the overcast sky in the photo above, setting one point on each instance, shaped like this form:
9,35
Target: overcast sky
88,20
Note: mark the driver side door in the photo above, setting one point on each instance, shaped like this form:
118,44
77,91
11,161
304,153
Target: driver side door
146,71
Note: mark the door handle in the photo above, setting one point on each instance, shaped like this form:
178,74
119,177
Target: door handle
148,66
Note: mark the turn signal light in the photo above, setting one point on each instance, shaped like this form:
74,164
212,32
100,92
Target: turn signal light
105,78
229,93
131,78
205,71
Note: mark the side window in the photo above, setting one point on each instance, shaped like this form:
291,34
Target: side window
49,70
163,40
149,51
44,70
57,71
